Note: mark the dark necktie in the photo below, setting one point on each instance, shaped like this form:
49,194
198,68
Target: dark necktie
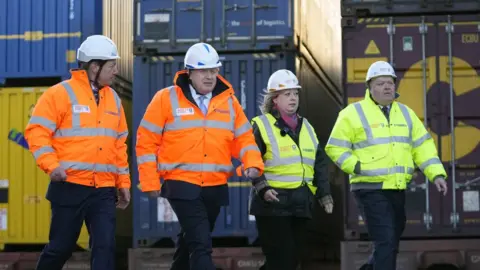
386,112
95,94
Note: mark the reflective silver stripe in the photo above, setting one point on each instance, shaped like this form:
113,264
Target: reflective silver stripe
247,148
196,167
407,117
384,171
289,161
339,143
286,178
271,137
386,140
421,140
242,129
342,158
198,123
42,150
122,134
151,127
118,101
312,134
179,124
146,158
74,101
85,166
85,132
123,171
38,120
363,119
432,161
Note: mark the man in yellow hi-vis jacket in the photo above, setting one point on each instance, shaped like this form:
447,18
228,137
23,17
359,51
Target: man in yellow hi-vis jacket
377,141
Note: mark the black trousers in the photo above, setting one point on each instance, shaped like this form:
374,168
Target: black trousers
72,205
194,244
384,212
283,240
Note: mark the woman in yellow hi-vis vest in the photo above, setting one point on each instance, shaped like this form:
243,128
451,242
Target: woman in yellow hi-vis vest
295,174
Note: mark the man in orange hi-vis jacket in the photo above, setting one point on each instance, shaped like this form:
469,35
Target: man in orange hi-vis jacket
77,135
187,137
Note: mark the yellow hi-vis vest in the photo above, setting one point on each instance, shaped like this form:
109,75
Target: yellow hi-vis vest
286,164
387,151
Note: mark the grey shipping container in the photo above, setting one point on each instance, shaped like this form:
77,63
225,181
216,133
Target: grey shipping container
118,25
438,65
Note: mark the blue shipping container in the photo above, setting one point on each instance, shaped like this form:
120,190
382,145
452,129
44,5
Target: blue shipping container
39,38
248,74
172,26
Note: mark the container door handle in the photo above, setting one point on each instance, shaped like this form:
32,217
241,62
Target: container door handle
202,17
254,19
234,7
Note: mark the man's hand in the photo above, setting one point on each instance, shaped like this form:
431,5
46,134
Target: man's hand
153,194
123,198
58,175
441,185
271,196
327,203
252,173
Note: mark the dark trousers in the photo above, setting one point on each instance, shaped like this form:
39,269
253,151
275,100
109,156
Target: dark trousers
194,244
95,207
384,213
283,240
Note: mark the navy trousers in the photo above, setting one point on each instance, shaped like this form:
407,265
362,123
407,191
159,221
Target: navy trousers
384,213
72,205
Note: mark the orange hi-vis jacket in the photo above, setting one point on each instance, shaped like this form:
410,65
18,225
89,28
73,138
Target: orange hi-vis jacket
175,141
69,129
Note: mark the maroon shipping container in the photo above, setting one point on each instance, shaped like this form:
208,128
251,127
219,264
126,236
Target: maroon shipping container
437,60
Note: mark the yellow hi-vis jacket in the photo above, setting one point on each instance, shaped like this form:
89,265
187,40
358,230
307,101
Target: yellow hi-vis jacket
287,165
386,150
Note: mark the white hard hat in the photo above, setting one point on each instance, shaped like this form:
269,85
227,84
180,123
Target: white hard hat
202,56
97,47
380,68
281,80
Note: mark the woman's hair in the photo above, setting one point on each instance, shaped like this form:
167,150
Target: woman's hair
266,101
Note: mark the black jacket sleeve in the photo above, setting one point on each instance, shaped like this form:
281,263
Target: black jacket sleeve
320,176
260,183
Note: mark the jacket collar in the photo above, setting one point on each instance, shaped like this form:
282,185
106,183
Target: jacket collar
181,80
81,76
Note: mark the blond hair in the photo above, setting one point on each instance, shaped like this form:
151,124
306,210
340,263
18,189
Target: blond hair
266,101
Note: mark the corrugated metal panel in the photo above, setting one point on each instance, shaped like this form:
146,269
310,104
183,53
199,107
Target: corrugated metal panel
248,75
239,25
324,47
24,213
397,7
118,25
367,41
39,38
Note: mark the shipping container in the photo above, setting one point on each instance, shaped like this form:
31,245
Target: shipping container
24,211
241,25
248,74
361,8
438,67
39,39
118,25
